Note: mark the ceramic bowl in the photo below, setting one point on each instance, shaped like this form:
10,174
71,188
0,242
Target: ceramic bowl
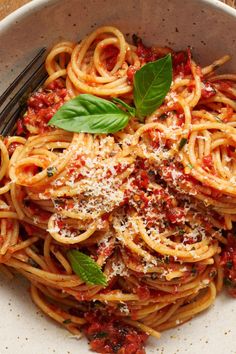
209,28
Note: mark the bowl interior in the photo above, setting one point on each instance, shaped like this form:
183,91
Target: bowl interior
208,27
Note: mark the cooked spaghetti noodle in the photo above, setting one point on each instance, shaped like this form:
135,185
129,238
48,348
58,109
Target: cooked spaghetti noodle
151,204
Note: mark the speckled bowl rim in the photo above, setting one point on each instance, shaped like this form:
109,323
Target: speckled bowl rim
36,5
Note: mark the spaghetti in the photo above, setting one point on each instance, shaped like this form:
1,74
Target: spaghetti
152,204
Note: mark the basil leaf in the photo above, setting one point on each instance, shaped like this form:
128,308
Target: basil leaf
86,268
90,114
151,84
130,109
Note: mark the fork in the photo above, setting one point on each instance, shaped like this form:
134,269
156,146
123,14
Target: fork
27,81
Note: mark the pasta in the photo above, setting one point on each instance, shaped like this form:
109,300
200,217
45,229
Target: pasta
153,205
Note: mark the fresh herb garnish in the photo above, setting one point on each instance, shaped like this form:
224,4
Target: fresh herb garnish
228,282
86,268
183,141
51,171
68,321
100,335
218,119
90,114
229,264
213,273
163,116
151,85
190,166
167,259
136,39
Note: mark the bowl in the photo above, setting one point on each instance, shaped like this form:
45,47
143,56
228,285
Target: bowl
209,28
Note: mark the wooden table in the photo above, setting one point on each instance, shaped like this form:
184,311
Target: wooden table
7,6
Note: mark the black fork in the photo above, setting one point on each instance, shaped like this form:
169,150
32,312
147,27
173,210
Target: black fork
27,81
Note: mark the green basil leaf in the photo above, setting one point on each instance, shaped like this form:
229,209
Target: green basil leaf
90,114
151,84
130,109
86,268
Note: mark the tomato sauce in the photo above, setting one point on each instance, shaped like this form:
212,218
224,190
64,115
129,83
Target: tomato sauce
42,105
107,334
181,63
228,261
111,54
208,90
130,73
145,54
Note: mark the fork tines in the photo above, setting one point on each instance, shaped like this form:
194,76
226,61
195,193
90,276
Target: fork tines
27,81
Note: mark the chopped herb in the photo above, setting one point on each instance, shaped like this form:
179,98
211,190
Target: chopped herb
32,263
67,321
213,273
151,173
59,202
51,171
218,119
183,141
228,282
167,259
193,271
163,116
166,223
190,166
181,232
154,276
229,264
136,39
100,335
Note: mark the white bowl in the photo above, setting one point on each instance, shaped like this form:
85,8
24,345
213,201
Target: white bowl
208,27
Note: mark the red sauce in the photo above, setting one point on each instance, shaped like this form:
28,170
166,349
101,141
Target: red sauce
30,229
42,105
208,162
143,292
228,261
145,54
226,87
229,114
175,215
109,335
208,91
181,63
142,180
130,73
111,54
20,127
35,210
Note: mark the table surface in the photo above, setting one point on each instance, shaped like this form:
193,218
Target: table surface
8,6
